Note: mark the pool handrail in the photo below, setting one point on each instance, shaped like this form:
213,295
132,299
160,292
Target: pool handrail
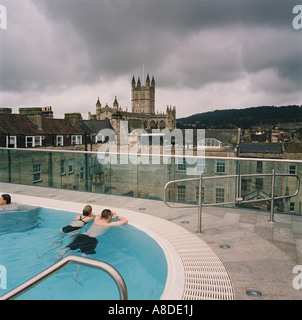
238,197
97,264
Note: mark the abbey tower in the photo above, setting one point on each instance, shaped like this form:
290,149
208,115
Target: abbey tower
143,97
142,115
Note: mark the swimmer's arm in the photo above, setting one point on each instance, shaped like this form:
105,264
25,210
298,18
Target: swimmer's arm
121,221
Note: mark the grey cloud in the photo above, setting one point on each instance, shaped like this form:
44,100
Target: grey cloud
121,35
184,43
269,49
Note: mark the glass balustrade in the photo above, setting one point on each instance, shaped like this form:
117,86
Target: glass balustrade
145,176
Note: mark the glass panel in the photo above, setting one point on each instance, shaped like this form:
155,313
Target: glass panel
145,176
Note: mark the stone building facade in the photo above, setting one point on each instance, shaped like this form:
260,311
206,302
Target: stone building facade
142,115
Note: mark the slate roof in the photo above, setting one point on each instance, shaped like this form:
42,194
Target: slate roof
94,126
18,125
260,148
58,126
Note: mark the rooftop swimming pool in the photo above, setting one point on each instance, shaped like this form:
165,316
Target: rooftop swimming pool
31,241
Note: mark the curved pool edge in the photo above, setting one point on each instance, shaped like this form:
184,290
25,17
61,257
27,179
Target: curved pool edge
194,270
175,282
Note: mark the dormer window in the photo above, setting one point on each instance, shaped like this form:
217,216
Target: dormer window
33,141
11,142
76,139
59,141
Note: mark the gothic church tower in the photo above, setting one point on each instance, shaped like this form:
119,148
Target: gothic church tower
143,97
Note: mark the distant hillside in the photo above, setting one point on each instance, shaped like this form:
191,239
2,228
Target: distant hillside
243,118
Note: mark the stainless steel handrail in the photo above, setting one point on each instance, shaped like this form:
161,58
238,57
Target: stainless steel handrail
110,270
238,196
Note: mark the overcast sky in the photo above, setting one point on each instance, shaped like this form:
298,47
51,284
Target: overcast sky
204,54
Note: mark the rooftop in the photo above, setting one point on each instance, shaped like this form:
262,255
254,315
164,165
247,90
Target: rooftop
257,254
260,148
18,124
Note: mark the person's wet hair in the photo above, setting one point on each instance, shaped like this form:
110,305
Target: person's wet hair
87,210
6,197
106,213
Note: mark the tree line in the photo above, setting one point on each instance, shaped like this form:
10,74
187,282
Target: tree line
243,118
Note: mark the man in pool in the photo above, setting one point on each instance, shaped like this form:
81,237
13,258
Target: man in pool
104,219
87,241
5,200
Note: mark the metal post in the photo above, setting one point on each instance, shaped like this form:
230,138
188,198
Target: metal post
9,166
273,196
238,198
200,205
50,170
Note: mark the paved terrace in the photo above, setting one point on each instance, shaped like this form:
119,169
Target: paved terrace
261,254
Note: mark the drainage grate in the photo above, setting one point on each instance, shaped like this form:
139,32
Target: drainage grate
253,293
224,246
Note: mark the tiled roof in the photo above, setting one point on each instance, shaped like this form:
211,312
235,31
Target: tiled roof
21,125
293,147
18,124
58,126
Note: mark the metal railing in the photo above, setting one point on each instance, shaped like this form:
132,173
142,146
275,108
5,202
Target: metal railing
238,196
110,270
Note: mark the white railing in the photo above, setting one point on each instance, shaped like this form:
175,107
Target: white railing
238,197
115,275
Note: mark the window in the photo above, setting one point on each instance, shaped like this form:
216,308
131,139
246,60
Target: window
37,170
34,141
38,141
259,183
259,166
82,173
76,139
220,166
29,142
292,207
181,164
292,169
63,167
59,141
209,143
219,195
93,161
181,193
71,166
11,142
200,165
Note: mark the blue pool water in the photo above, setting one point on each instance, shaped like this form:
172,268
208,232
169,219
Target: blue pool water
31,241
